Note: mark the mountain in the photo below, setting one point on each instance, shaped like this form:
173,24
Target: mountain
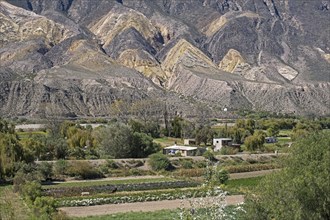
79,56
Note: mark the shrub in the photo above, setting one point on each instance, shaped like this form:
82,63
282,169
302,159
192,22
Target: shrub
221,176
31,191
44,207
112,164
186,164
46,170
159,162
200,164
209,156
83,170
61,167
228,151
135,172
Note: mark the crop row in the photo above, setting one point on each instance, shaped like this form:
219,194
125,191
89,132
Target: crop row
231,169
251,167
139,197
111,188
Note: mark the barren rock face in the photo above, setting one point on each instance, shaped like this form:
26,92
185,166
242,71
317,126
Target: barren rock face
80,55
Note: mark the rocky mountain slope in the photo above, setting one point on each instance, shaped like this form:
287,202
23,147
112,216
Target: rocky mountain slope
79,56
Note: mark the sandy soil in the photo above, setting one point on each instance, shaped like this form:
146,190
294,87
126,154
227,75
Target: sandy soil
137,206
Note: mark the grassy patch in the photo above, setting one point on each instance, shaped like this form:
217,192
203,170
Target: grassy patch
285,132
168,141
159,215
23,135
99,183
284,140
242,185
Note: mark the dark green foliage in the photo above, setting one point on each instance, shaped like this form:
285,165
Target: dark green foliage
159,162
119,141
61,167
209,156
83,170
46,170
300,190
186,164
176,127
221,176
143,145
204,135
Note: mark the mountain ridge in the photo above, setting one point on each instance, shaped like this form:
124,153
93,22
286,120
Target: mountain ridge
261,55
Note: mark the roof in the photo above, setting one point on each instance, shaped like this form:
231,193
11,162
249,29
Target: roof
223,139
176,147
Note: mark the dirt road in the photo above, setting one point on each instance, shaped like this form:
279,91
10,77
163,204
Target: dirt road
137,206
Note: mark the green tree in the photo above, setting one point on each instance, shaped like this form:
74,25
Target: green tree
119,141
301,190
273,131
115,140
176,127
204,135
143,145
256,141
11,152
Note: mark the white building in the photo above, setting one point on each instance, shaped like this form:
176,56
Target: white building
183,150
218,143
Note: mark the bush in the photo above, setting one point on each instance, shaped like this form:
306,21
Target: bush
186,164
159,162
84,170
209,156
46,170
61,167
31,191
221,176
44,207
228,151
112,164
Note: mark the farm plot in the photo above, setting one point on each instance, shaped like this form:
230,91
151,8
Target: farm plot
111,188
88,193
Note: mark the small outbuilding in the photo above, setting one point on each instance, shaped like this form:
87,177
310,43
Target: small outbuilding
183,150
189,142
218,143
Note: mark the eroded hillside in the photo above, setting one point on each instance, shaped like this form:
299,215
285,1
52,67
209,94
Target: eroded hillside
80,55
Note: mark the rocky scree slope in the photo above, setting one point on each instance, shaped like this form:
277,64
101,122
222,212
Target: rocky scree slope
78,56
